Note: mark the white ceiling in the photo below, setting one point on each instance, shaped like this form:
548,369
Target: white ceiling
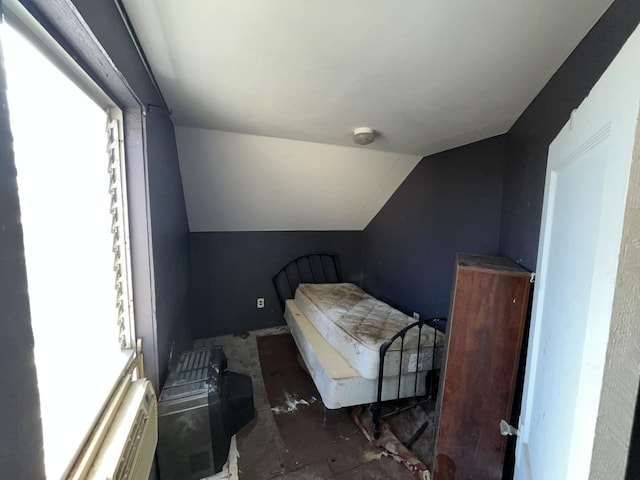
428,75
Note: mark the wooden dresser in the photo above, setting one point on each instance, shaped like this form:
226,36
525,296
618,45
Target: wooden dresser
484,337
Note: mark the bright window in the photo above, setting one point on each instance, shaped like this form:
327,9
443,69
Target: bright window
60,145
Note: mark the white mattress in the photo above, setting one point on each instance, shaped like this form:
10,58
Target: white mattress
356,324
337,382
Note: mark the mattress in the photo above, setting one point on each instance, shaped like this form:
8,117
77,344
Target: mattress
338,382
356,324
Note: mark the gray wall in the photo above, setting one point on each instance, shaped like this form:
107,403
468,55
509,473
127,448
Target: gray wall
449,203
170,233
541,122
21,454
104,20
230,270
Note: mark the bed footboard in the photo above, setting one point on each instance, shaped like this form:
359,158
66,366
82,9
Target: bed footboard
400,336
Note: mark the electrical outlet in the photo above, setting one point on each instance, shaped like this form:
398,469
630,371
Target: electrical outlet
416,315
260,302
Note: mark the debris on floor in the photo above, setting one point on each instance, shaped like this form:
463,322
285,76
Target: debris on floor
308,443
364,420
291,403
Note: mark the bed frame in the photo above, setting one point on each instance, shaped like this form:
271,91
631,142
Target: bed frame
323,267
320,267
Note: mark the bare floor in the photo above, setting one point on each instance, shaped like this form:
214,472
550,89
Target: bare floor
293,436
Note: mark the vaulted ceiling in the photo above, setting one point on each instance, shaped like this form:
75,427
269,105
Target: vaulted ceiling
428,75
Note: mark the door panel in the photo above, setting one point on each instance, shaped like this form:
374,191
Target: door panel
577,189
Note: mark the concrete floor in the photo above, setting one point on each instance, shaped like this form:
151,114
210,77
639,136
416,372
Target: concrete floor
313,442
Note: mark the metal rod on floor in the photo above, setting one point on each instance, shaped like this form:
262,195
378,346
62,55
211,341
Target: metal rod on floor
409,443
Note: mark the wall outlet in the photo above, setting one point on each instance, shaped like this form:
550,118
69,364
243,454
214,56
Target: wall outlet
416,315
260,302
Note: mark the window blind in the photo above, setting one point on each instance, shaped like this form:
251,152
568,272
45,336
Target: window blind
120,228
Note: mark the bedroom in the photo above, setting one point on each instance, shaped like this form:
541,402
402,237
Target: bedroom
484,197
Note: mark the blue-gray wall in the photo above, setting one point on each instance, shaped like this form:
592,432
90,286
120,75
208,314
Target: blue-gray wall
449,203
170,234
230,270
530,137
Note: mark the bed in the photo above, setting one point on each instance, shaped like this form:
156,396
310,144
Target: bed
357,349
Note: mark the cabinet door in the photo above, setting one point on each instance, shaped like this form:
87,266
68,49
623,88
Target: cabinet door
483,349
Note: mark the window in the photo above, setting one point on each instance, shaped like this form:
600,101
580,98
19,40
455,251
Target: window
73,211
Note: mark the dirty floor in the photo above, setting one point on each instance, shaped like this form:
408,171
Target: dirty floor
293,436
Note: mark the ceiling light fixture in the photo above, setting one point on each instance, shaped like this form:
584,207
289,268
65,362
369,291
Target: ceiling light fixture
364,135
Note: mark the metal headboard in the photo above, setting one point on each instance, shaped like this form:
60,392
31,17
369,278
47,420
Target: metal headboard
319,267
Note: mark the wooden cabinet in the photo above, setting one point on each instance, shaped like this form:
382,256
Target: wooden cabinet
484,337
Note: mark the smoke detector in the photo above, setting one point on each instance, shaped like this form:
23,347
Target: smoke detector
364,135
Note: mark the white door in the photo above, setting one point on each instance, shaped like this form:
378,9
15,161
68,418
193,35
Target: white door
584,200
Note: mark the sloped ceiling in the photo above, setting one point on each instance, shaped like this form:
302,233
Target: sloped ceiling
230,183
428,75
